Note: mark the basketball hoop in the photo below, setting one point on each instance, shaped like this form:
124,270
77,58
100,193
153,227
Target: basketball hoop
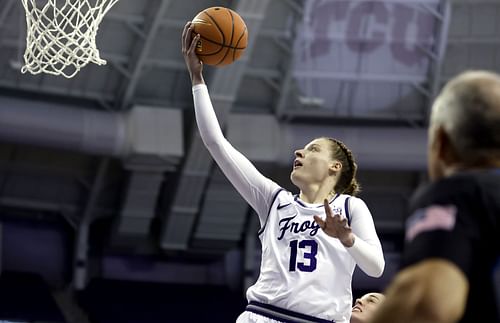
60,36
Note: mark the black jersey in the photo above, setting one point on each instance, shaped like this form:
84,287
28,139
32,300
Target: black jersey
458,219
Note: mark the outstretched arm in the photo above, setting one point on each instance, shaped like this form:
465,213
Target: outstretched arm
255,188
433,290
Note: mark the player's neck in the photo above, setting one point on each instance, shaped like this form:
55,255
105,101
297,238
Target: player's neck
315,196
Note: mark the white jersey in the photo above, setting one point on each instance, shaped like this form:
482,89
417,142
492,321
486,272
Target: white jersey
302,270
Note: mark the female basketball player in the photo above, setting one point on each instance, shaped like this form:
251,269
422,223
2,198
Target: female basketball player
311,242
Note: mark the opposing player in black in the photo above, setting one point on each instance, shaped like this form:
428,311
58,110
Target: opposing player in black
452,252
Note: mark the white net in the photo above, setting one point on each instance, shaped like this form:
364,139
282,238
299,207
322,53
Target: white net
61,34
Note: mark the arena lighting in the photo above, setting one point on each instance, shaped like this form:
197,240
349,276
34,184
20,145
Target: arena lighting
311,102
17,65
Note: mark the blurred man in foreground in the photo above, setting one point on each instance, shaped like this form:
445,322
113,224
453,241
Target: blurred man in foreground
452,251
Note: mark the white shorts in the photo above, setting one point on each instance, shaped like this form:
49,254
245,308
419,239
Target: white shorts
266,313
249,317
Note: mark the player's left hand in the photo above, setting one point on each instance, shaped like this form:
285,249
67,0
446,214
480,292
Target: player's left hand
335,226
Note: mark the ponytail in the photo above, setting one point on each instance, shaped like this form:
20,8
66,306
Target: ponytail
347,183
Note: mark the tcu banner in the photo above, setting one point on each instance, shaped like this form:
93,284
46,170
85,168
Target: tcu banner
389,41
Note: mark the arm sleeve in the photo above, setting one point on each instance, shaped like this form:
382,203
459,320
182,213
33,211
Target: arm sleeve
367,250
254,187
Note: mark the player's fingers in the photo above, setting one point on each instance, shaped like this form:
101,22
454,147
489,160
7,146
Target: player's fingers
320,222
185,42
193,44
328,210
339,221
188,38
335,217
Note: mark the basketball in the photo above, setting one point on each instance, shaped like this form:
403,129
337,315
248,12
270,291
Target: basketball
223,36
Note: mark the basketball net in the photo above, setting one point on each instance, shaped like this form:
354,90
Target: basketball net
60,37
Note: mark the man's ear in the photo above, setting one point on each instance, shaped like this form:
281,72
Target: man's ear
445,148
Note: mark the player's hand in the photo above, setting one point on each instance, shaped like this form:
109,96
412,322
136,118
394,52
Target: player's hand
335,226
193,63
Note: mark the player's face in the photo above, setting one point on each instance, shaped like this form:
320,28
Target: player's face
312,163
364,307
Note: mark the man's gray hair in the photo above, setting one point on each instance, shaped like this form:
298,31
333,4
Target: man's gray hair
468,109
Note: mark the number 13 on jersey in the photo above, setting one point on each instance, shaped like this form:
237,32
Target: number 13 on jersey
309,248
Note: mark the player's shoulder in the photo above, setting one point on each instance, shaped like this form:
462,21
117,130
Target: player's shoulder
282,196
355,206
352,201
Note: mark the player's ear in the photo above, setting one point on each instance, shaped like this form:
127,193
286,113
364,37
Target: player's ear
335,166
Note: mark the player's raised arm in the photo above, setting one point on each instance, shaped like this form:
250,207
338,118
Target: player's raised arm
255,188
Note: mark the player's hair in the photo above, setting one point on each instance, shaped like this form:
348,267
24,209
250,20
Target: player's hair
347,183
470,113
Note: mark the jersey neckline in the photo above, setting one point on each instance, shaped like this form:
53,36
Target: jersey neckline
313,205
